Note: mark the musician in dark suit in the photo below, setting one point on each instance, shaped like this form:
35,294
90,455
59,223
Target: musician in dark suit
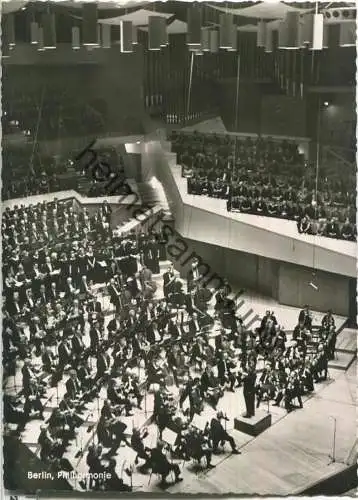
328,320
84,373
37,334
202,297
94,463
53,295
268,318
294,389
116,396
110,432
331,342
134,287
33,392
190,302
15,305
193,276
160,464
198,352
224,374
192,392
249,380
95,336
305,317
194,325
138,446
320,367
206,380
155,374
103,364
114,326
29,303
177,297
151,256
169,280
12,414
115,294
145,275
173,363
106,211
78,347
175,328
113,482
65,355
50,448
218,434
148,314
154,334
48,361
73,386
209,388
264,386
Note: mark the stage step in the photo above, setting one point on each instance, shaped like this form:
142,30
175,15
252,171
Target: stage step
172,158
342,361
167,146
347,341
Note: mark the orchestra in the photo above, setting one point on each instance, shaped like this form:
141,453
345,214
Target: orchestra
56,328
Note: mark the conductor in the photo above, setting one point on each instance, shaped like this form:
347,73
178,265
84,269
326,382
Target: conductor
249,379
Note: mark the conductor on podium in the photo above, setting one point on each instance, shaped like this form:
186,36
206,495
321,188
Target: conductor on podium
249,379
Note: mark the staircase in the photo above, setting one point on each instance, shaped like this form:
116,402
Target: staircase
334,163
346,349
152,194
83,182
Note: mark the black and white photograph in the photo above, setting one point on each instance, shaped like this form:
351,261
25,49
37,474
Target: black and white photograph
179,248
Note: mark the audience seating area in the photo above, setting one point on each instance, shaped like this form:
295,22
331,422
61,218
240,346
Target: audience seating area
107,180
50,114
267,177
27,171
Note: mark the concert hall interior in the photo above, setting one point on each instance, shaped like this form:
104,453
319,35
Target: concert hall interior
179,247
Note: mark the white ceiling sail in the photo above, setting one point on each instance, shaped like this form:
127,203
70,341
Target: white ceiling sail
138,18
248,28
263,10
175,28
8,6
104,4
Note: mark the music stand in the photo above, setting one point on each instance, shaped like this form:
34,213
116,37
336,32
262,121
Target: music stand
15,387
198,422
169,437
332,457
